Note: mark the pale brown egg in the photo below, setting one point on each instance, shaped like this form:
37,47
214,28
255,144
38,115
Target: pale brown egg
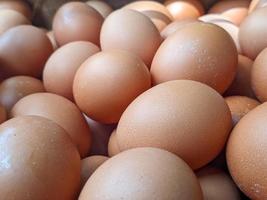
108,82
89,165
61,67
127,35
113,147
38,160
210,17
179,116
101,6
17,5
144,173
200,51
60,110
75,21
52,39
24,50
246,153
17,87
240,106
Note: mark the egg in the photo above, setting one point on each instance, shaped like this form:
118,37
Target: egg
255,4
217,185
210,17
242,82
114,79
132,175
246,153
200,51
126,35
184,117
17,5
17,87
52,39
240,106
3,114
101,6
38,160
24,50
113,147
61,67
254,28
60,110
89,165
75,21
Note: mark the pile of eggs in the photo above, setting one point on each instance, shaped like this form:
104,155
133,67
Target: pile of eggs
153,101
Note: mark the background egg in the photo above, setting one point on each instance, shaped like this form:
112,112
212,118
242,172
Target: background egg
101,6
17,5
113,146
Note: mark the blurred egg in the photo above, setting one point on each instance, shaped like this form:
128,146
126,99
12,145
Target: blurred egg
101,6
127,35
201,52
52,39
38,160
240,106
144,173
255,4
24,50
210,17
60,110
217,185
178,116
61,67
114,79
89,165
3,114
252,34
113,147
17,5
75,21
246,153
17,87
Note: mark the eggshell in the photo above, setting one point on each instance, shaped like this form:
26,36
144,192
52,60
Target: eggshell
101,6
184,117
240,106
17,87
255,4
217,185
113,146
242,82
3,114
132,175
52,39
210,17
114,79
75,21
17,5
38,160
126,35
252,33
24,50
61,67
60,110
246,153
201,52
89,165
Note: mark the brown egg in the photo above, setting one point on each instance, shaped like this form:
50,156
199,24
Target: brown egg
113,147
89,165
240,106
17,87
52,39
252,34
126,35
211,17
175,26
11,18
24,50
185,9
60,110
63,64
75,21
38,160
242,82
101,6
114,79
246,153
201,52
3,114
217,185
179,116
144,173
17,5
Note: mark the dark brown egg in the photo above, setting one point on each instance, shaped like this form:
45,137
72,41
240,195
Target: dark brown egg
101,6
17,87
127,35
3,114
60,110
52,39
38,160
179,116
24,50
76,21
200,51
246,153
113,146
17,5
61,67
144,173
